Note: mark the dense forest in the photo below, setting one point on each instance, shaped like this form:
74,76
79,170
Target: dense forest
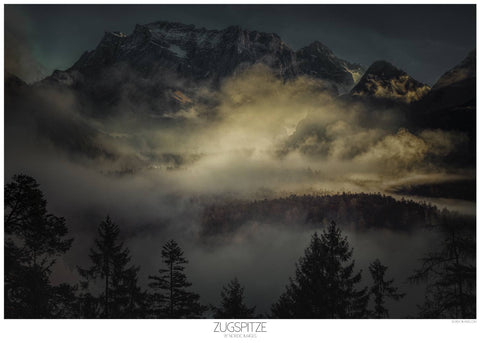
326,282
356,210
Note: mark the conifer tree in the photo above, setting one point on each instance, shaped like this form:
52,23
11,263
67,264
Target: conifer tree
232,303
171,296
65,302
133,300
110,262
449,271
33,240
324,285
381,289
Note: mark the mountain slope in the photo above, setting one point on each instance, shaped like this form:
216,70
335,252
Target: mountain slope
384,81
318,61
463,71
199,53
451,104
192,52
455,88
156,61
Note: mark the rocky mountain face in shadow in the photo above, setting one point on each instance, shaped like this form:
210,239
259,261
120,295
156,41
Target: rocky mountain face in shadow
382,80
158,61
161,66
451,103
454,91
318,61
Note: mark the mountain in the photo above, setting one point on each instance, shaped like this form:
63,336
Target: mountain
194,53
159,61
456,88
451,104
318,61
384,81
465,70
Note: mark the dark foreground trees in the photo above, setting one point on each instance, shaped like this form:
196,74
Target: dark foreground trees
449,272
33,240
232,304
325,284
121,297
381,290
172,297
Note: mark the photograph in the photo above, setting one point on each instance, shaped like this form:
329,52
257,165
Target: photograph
239,164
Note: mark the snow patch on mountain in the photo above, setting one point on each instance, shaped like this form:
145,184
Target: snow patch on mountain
177,50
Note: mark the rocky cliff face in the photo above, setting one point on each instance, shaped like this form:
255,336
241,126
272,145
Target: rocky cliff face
318,61
194,53
157,60
384,81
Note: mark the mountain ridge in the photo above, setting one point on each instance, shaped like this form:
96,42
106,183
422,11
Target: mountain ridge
199,53
383,80
154,54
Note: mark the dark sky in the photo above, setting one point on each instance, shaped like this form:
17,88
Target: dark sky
424,40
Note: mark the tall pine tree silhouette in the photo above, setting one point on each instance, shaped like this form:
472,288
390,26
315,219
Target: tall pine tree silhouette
33,240
324,285
381,289
110,262
449,271
232,303
171,296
